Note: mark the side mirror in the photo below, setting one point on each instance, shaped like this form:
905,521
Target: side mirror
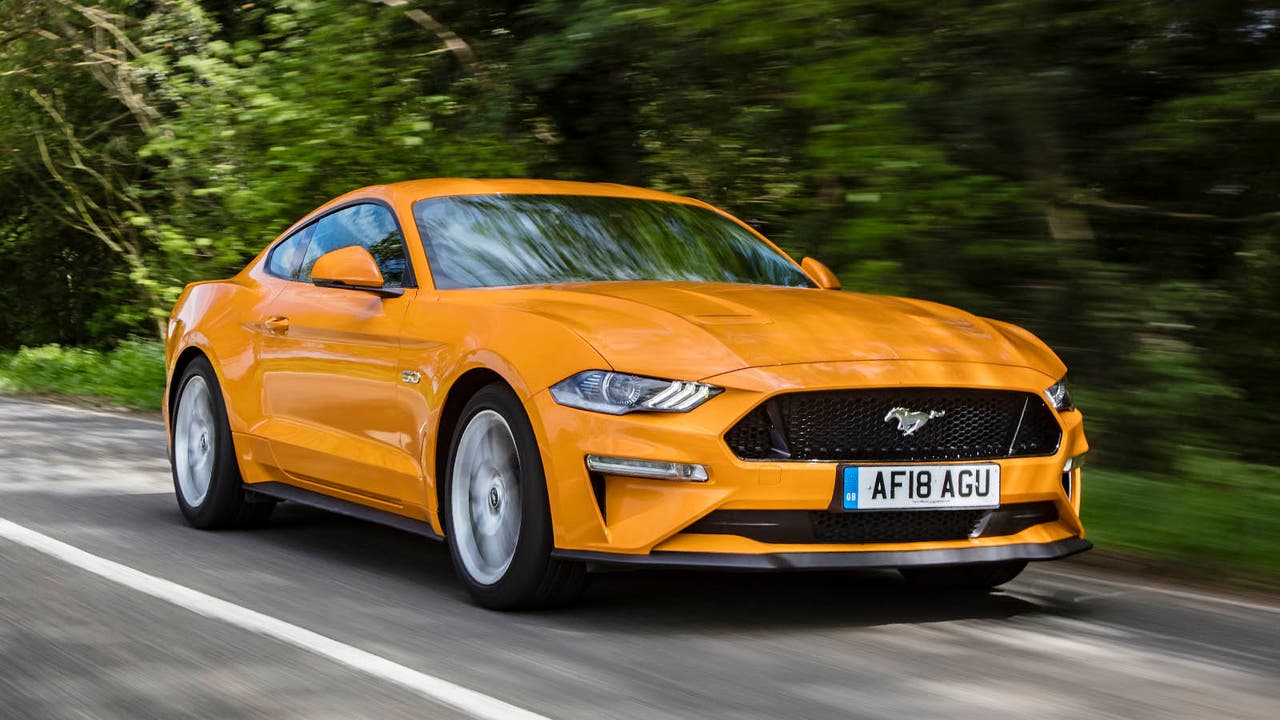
820,274
353,268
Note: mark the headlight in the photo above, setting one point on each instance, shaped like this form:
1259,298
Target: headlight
1059,395
619,393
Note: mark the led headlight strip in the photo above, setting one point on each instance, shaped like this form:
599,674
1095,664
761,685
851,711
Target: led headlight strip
622,393
1059,395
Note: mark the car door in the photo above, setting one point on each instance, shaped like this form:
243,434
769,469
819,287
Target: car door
327,366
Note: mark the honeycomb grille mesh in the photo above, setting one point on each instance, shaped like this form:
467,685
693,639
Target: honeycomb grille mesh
875,526
851,425
890,526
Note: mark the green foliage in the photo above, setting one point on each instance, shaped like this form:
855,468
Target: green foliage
131,375
326,97
1213,513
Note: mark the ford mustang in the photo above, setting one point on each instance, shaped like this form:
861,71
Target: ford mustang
554,376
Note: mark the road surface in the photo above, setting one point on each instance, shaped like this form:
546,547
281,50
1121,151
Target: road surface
111,607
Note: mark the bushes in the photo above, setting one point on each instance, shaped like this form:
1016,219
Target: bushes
131,375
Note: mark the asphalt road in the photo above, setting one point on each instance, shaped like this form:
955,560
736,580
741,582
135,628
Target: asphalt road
1060,642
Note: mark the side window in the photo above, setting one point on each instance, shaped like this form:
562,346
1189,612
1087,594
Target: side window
286,258
373,227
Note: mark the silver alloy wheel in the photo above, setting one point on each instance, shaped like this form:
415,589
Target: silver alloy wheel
485,506
194,441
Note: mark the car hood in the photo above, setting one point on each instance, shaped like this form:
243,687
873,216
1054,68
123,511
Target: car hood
696,330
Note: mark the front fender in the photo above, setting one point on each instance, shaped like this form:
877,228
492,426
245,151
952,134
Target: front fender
444,341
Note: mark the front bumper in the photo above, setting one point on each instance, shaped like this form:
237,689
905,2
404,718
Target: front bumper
618,519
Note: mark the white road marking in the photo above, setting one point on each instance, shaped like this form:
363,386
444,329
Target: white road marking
470,702
1182,594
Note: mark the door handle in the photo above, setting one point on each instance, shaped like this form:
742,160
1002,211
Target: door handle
277,324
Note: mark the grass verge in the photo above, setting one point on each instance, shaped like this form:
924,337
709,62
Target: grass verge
131,375
1218,516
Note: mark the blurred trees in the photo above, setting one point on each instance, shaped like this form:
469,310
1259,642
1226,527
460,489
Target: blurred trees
1101,172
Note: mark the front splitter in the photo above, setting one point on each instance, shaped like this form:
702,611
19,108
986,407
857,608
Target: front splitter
833,560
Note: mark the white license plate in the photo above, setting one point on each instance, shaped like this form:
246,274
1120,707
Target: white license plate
888,487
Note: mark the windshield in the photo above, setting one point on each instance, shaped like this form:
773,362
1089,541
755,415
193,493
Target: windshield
504,240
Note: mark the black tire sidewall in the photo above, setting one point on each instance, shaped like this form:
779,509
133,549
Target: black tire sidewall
520,584
221,504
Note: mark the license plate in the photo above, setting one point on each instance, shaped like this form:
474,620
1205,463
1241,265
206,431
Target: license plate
897,487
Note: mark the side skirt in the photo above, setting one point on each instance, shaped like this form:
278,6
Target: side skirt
283,491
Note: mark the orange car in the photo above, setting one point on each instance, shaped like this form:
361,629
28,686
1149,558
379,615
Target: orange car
555,375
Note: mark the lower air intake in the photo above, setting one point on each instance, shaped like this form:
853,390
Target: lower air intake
804,527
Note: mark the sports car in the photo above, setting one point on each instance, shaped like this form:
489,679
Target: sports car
554,377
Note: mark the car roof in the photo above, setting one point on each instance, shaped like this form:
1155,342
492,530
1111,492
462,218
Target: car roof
407,192
441,187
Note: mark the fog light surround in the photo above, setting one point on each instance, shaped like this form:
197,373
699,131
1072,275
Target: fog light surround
1074,463
1068,469
659,469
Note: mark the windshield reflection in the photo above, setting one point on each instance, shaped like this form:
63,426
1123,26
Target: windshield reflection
505,240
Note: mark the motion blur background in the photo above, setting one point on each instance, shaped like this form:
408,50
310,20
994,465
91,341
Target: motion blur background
1103,173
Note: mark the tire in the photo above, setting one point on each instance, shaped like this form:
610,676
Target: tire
206,475
974,577
496,515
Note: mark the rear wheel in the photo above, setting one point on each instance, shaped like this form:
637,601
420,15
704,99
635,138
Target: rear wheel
206,476
982,576
498,521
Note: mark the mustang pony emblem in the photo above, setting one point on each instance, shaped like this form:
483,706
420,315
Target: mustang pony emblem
910,421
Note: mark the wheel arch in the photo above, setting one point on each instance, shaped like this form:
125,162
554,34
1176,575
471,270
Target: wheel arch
180,364
463,388
194,349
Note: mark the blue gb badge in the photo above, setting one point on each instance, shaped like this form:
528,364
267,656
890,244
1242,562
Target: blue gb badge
850,488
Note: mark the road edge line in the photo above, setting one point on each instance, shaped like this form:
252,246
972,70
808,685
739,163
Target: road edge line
470,702
1192,595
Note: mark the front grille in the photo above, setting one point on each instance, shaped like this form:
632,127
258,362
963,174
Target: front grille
874,526
851,426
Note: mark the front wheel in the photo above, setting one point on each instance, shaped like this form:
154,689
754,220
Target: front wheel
498,521
206,476
982,576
